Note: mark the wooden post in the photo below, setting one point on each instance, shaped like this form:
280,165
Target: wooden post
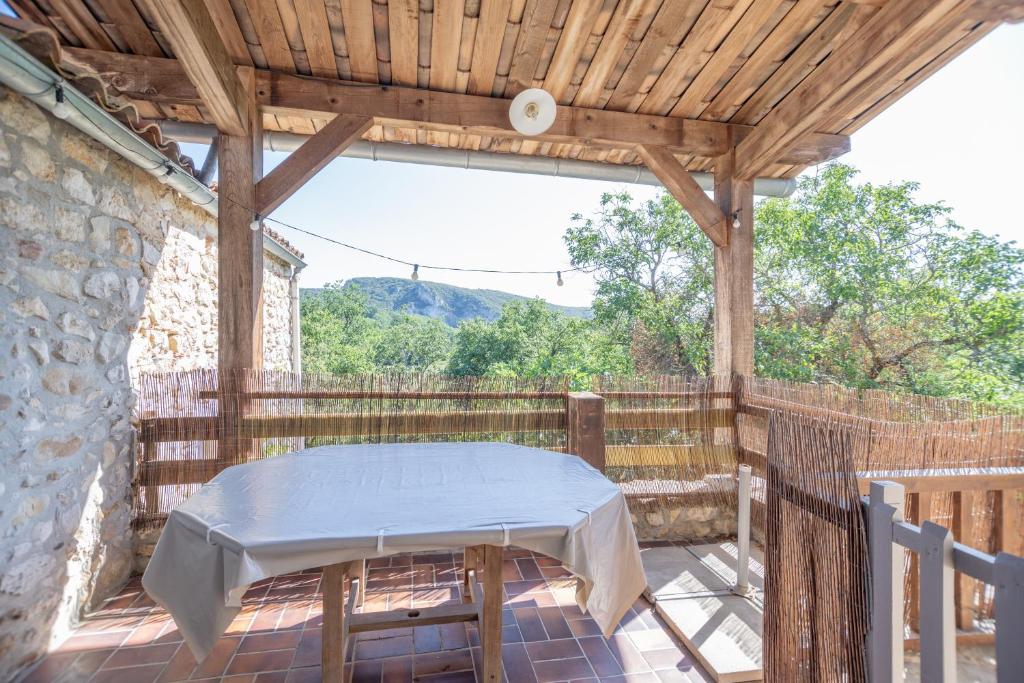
490,629
585,427
333,656
239,247
1009,585
963,532
920,512
938,630
885,640
734,273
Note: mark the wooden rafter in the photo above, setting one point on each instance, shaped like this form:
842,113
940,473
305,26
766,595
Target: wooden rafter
678,181
193,35
879,42
159,80
307,160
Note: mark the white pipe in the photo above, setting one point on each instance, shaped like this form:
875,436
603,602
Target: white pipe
275,141
743,531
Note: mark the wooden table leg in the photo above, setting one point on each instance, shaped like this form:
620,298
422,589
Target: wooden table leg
490,629
333,657
470,562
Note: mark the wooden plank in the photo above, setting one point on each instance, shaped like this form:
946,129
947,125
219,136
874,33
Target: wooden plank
1010,536
490,32
193,35
227,25
629,15
403,36
266,20
710,29
422,616
156,80
307,160
571,43
667,456
879,41
964,531
937,483
671,24
920,512
773,51
445,41
240,248
585,428
669,418
134,30
699,91
687,192
316,36
357,18
84,25
490,629
529,46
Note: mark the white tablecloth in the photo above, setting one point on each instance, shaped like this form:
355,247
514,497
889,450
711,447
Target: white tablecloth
340,503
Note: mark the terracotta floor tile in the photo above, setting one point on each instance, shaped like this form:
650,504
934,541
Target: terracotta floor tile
310,649
396,670
384,647
218,659
670,658
442,662
427,639
254,662
530,624
600,656
305,675
628,656
518,667
134,674
562,670
137,656
554,623
275,640
566,648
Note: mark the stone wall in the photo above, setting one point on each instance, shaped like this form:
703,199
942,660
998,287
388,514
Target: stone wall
683,521
104,272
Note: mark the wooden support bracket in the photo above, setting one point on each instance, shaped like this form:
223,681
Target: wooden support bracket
674,176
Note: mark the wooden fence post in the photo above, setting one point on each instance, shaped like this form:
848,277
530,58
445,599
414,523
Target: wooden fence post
1009,583
885,640
585,427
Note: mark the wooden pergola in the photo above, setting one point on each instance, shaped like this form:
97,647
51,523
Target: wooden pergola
741,88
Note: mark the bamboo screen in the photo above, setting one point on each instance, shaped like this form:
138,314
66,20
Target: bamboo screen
815,614
912,438
670,442
194,424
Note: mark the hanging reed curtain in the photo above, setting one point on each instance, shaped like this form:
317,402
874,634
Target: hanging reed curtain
194,424
899,435
670,442
816,593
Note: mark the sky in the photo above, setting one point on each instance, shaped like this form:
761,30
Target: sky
958,134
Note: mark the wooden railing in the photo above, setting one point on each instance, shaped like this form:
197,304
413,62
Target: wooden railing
939,558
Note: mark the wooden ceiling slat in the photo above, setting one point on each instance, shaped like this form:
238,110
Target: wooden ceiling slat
357,16
403,25
230,33
887,35
798,23
844,21
80,20
490,33
445,43
570,46
382,41
131,26
533,28
710,29
673,21
293,34
316,36
759,18
425,27
927,70
631,16
266,21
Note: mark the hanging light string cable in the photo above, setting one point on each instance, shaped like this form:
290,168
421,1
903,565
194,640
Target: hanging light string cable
172,169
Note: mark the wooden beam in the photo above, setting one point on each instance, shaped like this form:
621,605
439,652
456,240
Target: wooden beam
164,81
892,30
734,274
239,248
307,160
193,35
687,192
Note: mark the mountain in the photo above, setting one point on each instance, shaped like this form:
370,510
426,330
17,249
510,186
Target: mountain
435,300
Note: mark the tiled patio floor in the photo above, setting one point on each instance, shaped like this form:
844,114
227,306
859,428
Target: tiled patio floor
277,636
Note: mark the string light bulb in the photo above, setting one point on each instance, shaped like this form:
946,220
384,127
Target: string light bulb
735,220
166,177
559,281
61,108
256,223
415,272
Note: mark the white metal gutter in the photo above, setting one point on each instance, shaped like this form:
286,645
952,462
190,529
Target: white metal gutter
203,133
27,76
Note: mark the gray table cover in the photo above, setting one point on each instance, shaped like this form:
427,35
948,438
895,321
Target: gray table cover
340,503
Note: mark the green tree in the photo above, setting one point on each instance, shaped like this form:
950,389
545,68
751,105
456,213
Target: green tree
530,340
338,331
653,268
413,343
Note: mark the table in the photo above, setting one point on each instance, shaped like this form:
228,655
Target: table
336,506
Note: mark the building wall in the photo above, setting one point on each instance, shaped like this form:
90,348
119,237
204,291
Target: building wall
104,273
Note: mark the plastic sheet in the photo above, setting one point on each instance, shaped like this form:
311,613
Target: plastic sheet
341,503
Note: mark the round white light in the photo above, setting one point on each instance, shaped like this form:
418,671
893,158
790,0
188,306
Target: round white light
532,111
